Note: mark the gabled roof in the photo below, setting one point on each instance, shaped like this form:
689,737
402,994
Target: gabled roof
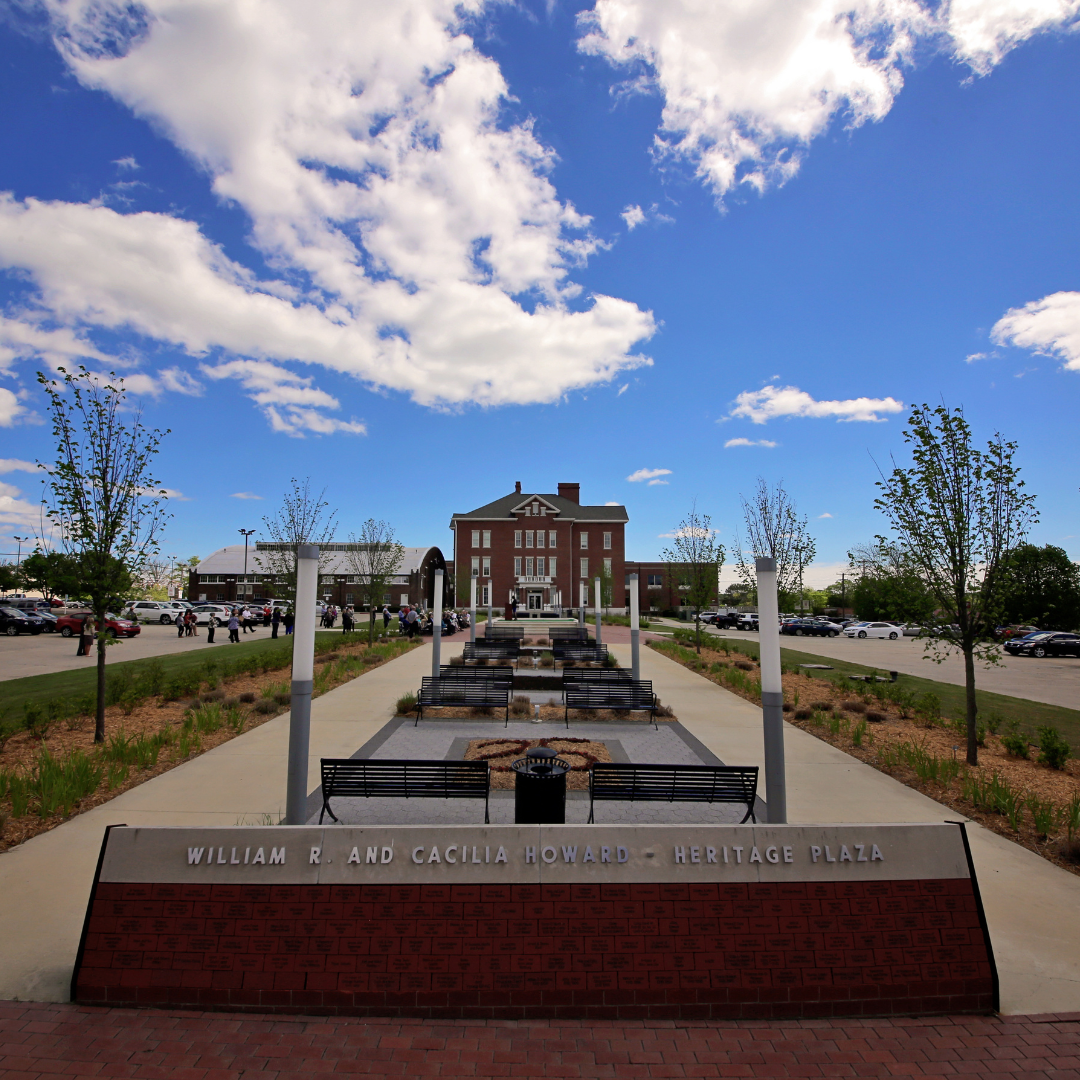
567,510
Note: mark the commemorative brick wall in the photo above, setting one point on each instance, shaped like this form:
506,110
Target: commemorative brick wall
514,951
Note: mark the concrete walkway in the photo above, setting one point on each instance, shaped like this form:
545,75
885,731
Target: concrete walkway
1031,905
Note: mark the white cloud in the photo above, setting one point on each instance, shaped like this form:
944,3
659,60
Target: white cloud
1050,326
244,495
633,216
749,442
770,402
15,512
703,534
612,504
17,465
820,516
747,86
647,474
623,389
180,381
128,162
404,219
653,483
974,356
172,493
10,408
25,338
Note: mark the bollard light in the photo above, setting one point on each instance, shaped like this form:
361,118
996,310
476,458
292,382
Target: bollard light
596,584
772,691
436,626
635,629
303,675
472,611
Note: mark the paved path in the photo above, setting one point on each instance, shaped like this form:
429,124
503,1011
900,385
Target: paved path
38,1041
1031,905
1055,681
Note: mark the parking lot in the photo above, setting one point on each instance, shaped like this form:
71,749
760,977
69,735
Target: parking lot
29,655
1054,681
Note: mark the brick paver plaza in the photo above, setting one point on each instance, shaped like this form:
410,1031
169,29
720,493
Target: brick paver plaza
41,1040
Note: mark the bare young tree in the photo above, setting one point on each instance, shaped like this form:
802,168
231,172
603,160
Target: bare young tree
957,513
774,530
302,518
107,507
375,557
694,560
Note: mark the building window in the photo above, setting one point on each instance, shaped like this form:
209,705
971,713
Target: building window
210,579
476,566
551,566
517,538
536,509
655,581
476,538
607,568
348,598
584,540
529,539
540,567
517,566
551,538
529,567
486,598
540,538
487,538
585,568
487,566
607,541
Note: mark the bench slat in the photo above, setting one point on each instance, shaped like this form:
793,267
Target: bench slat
622,694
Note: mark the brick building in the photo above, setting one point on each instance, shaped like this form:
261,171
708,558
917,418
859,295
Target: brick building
220,577
544,550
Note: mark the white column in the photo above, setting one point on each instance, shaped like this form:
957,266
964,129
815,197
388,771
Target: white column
635,629
436,626
472,609
303,675
596,584
772,691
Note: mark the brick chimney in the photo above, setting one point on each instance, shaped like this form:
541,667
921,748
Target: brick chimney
571,492
517,488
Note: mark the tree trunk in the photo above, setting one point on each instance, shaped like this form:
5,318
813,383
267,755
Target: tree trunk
972,706
99,720
371,629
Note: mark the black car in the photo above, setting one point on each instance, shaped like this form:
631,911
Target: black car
809,628
1044,643
13,621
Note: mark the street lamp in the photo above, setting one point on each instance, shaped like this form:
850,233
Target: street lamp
20,540
246,533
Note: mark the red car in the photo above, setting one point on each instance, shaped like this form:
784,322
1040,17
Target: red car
70,625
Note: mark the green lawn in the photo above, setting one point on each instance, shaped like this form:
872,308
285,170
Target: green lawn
1031,714
15,693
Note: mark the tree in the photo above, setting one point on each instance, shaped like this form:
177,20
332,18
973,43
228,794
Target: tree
957,513
694,560
9,579
774,530
51,573
301,519
374,557
887,586
105,503
1040,586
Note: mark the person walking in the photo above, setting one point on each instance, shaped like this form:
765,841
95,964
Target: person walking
275,621
194,624
290,621
245,620
234,628
411,620
86,636
211,626
386,618
179,621
346,619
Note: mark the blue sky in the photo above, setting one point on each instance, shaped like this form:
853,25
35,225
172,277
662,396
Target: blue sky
420,251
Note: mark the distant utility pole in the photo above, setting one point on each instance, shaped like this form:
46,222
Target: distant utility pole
20,540
246,533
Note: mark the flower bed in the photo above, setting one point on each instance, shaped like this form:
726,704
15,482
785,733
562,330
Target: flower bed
501,753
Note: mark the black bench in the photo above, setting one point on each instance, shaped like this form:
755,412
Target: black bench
674,783
498,672
504,633
595,676
568,634
625,695
476,693
573,651
367,777
492,650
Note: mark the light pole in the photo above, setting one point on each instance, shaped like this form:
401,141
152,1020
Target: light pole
20,540
303,675
772,691
246,533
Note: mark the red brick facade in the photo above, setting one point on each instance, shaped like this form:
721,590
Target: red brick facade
713,950
496,536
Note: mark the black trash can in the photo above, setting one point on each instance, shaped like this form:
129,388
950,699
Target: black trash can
540,788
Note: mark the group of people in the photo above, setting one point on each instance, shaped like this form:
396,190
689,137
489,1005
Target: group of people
412,621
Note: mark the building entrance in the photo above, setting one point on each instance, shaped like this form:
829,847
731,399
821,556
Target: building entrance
536,601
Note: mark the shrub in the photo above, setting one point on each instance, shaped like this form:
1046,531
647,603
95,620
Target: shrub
1053,749
803,714
928,709
876,717
1042,815
1016,745
664,710
283,698
34,720
821,706
247,697
853,706
521,706
744,665
405,704
858,733
266,706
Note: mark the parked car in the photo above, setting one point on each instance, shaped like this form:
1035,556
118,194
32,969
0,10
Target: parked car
204,611
747,620
69,625
809,628
1044,643
911,629
13,621
872,630
49,619
707,617
157,611
1015,630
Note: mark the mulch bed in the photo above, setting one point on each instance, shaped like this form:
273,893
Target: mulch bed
803,691
77,733
500,753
